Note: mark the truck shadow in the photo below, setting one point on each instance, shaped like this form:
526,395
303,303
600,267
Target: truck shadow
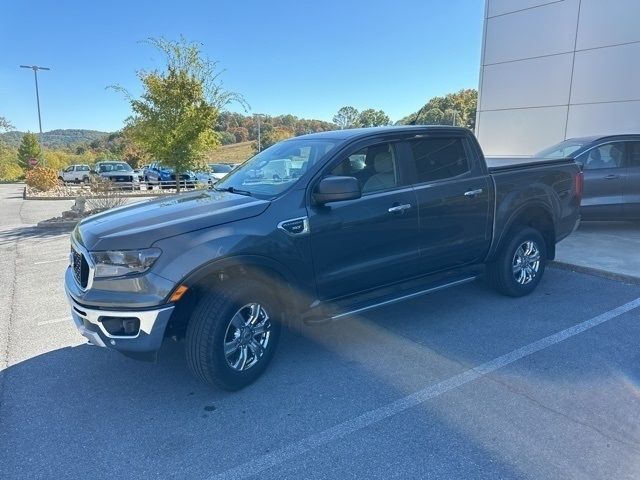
87,412
8,236
80,411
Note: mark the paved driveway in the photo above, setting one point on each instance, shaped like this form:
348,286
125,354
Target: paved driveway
460,384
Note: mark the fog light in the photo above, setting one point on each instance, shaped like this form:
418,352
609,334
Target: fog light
125,327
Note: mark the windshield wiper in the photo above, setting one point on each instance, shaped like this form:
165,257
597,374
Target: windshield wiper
233,190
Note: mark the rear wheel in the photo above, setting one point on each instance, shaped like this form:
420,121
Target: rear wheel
232,335
520,264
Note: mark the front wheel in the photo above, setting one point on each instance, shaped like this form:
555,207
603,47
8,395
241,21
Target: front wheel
520,264
232,335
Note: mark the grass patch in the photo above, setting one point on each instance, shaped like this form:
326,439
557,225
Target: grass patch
234,153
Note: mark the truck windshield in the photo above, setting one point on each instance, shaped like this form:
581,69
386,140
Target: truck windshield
277,168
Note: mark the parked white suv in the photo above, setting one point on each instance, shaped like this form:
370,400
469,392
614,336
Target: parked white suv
75,174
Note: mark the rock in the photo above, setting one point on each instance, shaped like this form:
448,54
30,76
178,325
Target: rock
79,205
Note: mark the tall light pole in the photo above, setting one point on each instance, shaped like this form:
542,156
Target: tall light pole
259,139
35,69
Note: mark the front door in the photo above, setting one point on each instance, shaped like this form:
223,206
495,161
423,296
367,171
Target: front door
371,241
604,178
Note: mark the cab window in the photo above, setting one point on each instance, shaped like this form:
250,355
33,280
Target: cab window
439,158
375,167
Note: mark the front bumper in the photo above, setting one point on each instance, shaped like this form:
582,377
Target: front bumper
148,338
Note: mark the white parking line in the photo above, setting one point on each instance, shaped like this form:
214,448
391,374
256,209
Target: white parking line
373,416
65,259
57,320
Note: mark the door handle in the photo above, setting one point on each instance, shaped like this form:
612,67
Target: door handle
399,208
473,193
612,177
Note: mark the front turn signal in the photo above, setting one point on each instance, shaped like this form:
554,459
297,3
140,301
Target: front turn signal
178,293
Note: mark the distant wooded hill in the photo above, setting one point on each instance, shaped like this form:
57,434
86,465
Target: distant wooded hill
57,138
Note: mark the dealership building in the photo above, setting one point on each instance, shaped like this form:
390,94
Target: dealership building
553,70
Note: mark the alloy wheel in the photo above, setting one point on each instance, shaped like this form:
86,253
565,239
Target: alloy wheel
247,337
526,262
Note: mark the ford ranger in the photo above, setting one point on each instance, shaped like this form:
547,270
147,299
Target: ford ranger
314,229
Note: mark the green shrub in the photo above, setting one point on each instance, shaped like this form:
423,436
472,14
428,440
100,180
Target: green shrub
10,172
42,178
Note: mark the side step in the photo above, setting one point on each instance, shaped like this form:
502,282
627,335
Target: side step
318,318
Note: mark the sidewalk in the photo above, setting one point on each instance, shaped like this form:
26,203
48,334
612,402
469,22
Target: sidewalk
610,249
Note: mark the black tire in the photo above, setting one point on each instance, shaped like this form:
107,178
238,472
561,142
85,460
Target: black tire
501,272
209,329
86,180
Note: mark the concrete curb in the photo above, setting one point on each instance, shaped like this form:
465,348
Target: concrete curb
140,195
70,224
597,272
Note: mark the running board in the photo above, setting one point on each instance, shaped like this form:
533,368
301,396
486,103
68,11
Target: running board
317,320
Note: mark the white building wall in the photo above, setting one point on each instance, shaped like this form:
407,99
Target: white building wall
553,70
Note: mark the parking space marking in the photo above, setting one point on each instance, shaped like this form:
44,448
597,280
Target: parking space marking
65,259
398,406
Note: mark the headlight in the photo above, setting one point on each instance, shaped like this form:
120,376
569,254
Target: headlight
113,263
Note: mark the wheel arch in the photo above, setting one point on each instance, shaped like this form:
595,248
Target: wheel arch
537,216
224,272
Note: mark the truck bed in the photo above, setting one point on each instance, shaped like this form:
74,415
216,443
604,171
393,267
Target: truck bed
500,164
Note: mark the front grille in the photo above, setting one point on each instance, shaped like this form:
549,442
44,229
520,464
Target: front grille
80,268
123,179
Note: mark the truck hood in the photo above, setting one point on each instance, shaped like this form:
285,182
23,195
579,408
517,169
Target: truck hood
141,224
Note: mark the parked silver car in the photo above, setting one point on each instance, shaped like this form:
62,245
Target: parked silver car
75,174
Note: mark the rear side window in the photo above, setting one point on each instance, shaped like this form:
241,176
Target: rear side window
439,158
634,154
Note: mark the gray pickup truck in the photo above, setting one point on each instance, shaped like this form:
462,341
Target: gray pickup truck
314,229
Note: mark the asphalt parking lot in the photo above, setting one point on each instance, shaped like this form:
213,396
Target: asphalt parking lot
460,384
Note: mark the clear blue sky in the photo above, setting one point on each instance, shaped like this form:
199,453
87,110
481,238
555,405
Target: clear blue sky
285,56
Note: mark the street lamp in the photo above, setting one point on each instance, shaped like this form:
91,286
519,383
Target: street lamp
259,139
35,69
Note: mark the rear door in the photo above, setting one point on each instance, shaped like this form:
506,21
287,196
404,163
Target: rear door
371,241
631,195
453,193
605,176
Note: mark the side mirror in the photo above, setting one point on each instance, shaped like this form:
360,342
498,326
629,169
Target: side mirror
336,189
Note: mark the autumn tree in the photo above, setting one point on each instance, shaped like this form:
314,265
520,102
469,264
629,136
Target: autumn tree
347,117
372,118
5,125
29,148
175,117
457,108
434,116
